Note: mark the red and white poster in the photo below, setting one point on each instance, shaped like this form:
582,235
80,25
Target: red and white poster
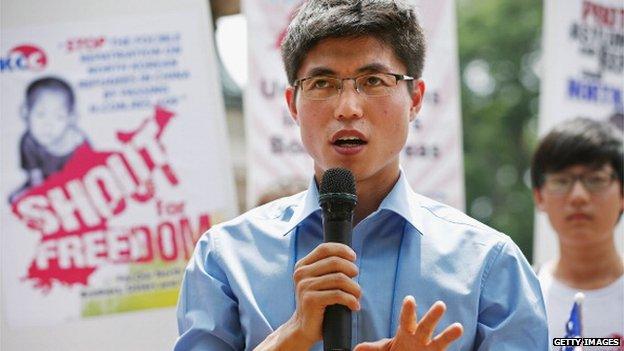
582,76
433,156
114,161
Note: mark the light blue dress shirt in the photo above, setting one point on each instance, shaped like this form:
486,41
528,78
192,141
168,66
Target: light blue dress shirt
238,286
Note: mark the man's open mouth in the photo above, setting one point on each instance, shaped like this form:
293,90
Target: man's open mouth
349,142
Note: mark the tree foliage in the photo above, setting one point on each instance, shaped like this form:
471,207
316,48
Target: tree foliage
499,43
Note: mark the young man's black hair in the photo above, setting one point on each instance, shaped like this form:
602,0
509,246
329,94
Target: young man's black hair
579,141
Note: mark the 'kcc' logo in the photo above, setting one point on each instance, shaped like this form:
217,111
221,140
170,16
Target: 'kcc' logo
24,57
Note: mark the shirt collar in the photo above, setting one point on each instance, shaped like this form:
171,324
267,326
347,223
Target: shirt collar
307,205
403,201
400,200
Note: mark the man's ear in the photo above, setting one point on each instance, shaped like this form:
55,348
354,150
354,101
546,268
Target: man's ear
291,101
418,94
538,198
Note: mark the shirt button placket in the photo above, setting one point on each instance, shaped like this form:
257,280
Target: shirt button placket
356,243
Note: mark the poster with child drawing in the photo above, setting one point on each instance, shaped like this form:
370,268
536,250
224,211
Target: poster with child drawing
114,161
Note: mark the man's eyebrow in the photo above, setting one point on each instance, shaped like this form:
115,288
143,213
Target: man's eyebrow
374,67
321,71
371,67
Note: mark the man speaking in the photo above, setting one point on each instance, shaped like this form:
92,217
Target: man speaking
418,276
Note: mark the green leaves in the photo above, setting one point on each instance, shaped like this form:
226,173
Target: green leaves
502,39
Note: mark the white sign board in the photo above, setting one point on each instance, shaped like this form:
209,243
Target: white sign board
114,160
583,76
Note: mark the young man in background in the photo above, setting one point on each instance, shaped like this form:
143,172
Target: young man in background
577,177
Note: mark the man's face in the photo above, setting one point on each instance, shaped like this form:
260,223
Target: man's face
49,117
379,123
580,216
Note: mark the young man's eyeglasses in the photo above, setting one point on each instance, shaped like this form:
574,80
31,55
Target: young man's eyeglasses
369,84
594,182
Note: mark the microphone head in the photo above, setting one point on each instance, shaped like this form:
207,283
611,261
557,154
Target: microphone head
337,193
337,181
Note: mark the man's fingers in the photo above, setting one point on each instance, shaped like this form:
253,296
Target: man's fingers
380,345
331,282
447,336
407,320
325,266
426,326
321,299
327,250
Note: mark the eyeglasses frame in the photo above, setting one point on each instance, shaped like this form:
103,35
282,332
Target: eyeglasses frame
398,77
582,178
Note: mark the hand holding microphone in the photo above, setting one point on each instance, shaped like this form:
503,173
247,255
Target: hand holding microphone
322,279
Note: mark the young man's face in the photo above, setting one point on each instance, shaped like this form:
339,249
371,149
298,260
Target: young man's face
379,122
49,117
581,216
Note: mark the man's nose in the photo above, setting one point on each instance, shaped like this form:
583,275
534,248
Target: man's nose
349,101
578,193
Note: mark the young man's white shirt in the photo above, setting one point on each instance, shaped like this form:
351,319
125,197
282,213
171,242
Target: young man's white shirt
602,309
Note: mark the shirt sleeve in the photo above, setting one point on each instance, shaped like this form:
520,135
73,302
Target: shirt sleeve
208,317
511,307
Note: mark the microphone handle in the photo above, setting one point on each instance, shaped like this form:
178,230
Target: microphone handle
337,318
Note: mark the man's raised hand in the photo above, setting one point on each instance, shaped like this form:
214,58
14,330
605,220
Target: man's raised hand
414,335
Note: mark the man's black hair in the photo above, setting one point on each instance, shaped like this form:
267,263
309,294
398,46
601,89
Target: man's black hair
391,22
579,141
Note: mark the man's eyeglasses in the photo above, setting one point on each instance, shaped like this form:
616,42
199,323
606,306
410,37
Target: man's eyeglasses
594,182
370,84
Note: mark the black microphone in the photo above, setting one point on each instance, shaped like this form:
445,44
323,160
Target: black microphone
337,199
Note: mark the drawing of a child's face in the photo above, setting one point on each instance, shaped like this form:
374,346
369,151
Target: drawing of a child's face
49,117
